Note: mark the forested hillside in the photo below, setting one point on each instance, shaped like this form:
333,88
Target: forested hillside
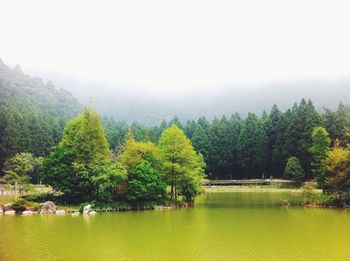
249,147
32,113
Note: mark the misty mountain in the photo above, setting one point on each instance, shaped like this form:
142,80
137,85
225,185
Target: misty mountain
150,105
32,113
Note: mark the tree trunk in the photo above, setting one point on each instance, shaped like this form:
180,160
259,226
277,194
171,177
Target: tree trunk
172,192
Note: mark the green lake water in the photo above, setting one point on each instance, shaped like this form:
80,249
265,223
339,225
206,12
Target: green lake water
222,226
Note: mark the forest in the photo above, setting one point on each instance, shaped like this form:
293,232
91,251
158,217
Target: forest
34,114
251,147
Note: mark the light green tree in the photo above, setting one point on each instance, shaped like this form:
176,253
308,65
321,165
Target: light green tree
21,169
319,150
133,152
337,173
81,165
181,164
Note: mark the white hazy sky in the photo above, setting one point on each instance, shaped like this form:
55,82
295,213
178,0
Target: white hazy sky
178,43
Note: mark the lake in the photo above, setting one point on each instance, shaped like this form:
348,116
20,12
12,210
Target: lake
222,226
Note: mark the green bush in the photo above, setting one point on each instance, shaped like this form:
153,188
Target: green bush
20,205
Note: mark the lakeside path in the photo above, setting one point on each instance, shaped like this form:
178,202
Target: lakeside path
214,189
276,185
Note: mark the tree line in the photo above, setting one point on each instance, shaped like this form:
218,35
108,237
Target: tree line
252,147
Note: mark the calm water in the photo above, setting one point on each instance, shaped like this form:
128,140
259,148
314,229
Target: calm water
222,226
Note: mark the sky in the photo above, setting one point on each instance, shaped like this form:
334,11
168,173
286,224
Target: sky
178,44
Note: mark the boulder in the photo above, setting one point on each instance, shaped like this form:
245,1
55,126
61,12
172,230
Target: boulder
27,213
87,209
60,212
92,212
1,211
48,208
8,207
10,212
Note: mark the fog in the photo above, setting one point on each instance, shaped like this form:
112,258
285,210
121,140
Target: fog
148,60
153,104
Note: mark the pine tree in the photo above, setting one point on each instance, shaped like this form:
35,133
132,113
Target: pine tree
298,135
252,147
294,170
338,124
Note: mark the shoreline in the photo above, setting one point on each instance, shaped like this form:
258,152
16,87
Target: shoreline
75,209
248,189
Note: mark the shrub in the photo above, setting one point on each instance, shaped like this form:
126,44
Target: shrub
20,205
308,192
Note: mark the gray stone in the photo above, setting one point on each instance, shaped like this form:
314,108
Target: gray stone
10,212
1,211
48,208
27,213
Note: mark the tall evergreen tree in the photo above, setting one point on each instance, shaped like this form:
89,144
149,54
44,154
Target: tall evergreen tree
319,149
298,135
253,146
337,124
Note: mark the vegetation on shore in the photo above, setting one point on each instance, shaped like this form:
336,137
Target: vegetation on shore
83,169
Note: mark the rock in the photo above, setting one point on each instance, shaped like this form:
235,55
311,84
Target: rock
48,208
10,212
60,212
27,213
87,209
76,213
92,212
1,211
8,207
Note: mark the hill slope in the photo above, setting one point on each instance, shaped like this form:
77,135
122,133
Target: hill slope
32,113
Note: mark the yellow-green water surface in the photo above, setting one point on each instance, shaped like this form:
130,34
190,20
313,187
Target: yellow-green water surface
222,226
